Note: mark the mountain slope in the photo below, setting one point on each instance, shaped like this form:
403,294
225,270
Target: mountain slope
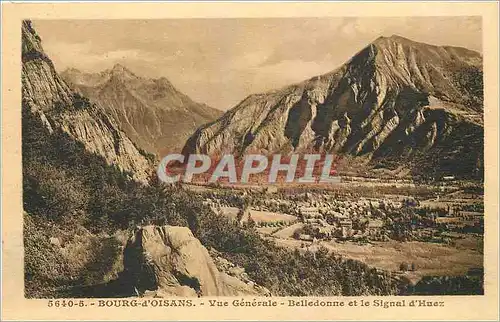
394,100
46,95
152,112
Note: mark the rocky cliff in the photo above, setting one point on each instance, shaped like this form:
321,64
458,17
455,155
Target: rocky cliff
170,261
152,112
395,99
59,107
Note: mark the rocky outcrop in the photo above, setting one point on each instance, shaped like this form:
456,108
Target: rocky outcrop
60,108
396,98
235,276
152,112
170,261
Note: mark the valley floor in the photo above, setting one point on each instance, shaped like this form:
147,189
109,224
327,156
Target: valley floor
430,259
449,251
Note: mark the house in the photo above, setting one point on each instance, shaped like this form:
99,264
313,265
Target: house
306,237
346,223
322,222
270,189
345,228
447,220
337,216
323,232
471,216
309,212
374,226
451,235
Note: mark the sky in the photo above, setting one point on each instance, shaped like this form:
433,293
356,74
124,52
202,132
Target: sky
221,61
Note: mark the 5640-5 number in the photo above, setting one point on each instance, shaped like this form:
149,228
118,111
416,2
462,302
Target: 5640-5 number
65,303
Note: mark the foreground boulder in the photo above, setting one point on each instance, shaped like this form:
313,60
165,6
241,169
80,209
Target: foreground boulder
170,261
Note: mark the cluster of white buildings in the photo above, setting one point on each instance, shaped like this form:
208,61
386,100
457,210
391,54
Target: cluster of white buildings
339,224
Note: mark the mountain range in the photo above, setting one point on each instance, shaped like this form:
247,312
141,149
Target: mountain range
409,107
152,112
60,108
397,107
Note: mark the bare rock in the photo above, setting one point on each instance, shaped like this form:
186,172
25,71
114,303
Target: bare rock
170,261
395,98
152,112
59,107
55,241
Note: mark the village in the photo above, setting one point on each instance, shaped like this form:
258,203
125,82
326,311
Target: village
319,216
416,235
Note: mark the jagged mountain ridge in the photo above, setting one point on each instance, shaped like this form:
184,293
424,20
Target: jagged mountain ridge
395,99
60,108
153,113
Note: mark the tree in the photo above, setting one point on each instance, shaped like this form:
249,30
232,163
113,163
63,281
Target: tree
239,215
251,222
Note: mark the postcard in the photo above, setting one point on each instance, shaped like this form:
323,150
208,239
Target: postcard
250,161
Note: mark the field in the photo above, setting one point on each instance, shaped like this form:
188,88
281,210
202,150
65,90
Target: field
429,258
267,216
288,231
230,212
256,215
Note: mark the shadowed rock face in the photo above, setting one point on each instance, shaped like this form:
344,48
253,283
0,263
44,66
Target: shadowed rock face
46,95
394,99
170,261
152,112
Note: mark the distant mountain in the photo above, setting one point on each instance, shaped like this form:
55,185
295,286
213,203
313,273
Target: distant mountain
396,102
47,96
153,113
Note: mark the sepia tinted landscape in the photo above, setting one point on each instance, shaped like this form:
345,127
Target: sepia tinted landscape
399,101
